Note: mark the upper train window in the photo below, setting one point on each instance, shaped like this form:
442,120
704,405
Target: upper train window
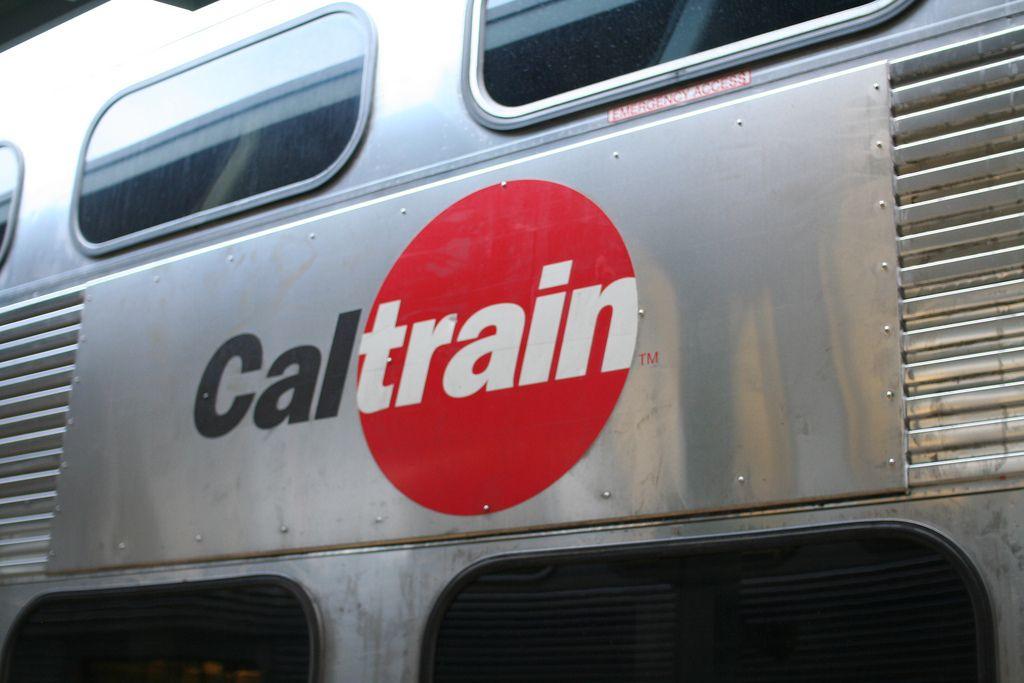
10,187
245,127
532,55
838,605
252,630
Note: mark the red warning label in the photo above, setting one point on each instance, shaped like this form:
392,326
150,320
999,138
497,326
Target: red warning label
679,96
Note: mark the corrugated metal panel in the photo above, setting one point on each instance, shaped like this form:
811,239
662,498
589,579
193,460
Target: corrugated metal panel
38,341
958,129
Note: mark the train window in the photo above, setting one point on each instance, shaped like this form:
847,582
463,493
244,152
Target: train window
836,606
529,55
254,124
10,187
255,630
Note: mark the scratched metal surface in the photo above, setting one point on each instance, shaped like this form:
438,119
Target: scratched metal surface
374,603
757,238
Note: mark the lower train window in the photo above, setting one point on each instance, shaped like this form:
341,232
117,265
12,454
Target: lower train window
851,606
252,631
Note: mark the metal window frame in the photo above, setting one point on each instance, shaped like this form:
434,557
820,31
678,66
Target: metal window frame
745,541
314,624
495,115
240,205
19,181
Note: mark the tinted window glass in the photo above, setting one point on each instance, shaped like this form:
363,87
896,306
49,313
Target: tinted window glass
261,120
10,178
534,49
252,632
883,609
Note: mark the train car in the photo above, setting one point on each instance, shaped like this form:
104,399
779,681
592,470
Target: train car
519,340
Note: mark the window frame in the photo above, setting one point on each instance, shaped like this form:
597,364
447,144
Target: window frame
19,181
492,114
314,623
959,560
240,205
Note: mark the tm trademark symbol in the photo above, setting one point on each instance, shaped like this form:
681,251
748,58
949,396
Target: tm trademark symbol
648,358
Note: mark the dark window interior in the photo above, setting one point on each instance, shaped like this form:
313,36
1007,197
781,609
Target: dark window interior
293,107
534,49
865,610
255,631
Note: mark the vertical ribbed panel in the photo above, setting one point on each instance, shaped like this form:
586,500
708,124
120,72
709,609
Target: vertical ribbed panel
958,129
38,341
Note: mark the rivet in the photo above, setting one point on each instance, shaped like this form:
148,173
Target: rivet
122,545
886,330
876,86
156,278
57,508
88,297
71,421
504,183
312,235
76,379
389,359
741,479
640,312
53,553
606,494
487,508
884,265
881,204
64,465
615,155
889,394
231,257
739,122
892,461
206,394
81,339
378,519
283,529
199,538
401,211
878,144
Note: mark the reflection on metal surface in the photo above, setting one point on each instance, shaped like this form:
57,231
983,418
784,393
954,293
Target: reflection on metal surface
10,188
759,394
958,118
274,116
38,341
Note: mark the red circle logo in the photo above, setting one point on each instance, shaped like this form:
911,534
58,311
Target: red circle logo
497,347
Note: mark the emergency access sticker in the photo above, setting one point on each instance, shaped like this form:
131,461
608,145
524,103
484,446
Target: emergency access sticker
680,96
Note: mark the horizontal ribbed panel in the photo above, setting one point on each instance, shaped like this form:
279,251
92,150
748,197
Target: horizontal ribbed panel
958,129
38,341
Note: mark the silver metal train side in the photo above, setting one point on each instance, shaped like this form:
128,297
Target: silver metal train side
827,324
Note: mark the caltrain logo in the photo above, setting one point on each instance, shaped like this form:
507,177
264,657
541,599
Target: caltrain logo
492,357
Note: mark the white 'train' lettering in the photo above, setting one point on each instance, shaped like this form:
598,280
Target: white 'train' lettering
495,335
375,348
